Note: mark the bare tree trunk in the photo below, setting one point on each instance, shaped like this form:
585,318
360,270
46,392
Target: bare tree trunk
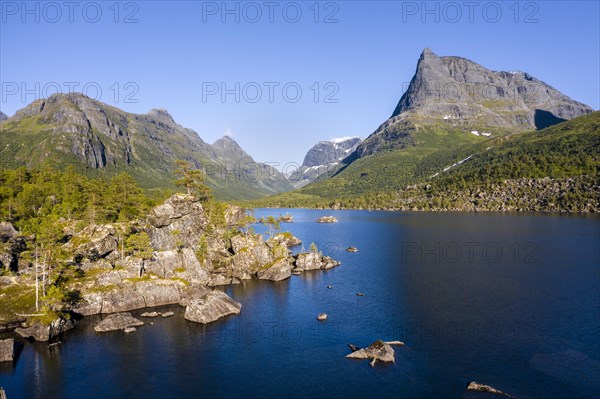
36,280
44,275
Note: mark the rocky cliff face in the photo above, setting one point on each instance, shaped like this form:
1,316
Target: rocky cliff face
456,93
322,158
93,136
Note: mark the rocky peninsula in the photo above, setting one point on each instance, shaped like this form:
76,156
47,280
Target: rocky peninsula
178,254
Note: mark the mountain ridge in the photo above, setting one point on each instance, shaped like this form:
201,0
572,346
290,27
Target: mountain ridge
102,139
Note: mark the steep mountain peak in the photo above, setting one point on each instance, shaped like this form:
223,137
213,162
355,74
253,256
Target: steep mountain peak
458,92
329,152
226,148
161,114
3,116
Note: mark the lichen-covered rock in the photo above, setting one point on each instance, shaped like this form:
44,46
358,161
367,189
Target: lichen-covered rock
308,261
327,219
7,350
180,220
45,332
480,391
118,321
94,241
378,350
233,215
287,239
211,307
182,264
131,295
279,270
328,263
7,231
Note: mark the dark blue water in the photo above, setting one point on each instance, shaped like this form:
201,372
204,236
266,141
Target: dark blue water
512,301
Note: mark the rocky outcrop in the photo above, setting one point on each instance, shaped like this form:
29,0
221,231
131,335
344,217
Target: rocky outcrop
211,307
118,321
7,350
11,246
313,261
327,219
286,239
278,270
94,242
45,332
179,221
131,295
480,391
377,351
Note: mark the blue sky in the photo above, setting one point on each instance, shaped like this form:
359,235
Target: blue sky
359,55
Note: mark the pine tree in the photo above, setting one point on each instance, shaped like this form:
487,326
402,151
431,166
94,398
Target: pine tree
192,179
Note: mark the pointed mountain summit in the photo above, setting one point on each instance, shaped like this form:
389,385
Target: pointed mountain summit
461,91
3,116
456,94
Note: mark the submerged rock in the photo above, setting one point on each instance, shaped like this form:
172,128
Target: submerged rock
45,332
377,351
212,306
118,321
327,219
481,391
7,350
149,314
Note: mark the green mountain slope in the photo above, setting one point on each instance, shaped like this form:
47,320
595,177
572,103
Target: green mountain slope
560,163
100,140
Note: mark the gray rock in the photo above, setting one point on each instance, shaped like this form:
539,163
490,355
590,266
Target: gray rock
129,330
149,314
287,239
279,270
378,351
480,391
118,321
308,261
322,316
167,314
212,306
180,220
7,350
7,231
98,241
352,249
327,219
328,263
42,332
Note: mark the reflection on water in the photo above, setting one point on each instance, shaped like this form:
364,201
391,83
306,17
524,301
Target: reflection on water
507,300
